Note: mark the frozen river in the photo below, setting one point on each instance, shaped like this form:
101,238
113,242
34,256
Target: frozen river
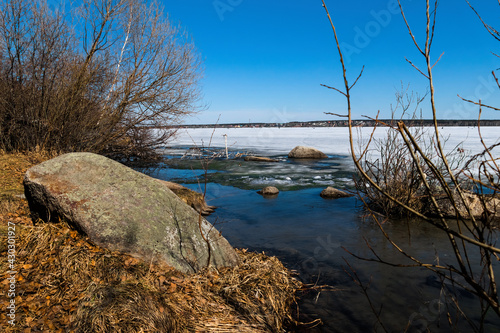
330,140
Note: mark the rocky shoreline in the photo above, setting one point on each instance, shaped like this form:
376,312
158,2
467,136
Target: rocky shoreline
61,271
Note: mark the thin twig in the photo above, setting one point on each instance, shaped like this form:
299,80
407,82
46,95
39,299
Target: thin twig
359,76
418,69
337,90
479,104
337,115
437,60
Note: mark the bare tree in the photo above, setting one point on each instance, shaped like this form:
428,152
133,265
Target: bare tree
113,79
429,167
32,46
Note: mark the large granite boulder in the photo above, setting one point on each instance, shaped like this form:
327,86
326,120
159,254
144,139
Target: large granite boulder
124,210
306,153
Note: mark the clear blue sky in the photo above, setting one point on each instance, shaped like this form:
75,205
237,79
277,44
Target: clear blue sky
265,60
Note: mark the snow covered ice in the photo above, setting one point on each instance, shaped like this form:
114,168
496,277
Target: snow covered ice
330,140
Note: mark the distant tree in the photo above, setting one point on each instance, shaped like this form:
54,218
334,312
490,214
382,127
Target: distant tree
113,78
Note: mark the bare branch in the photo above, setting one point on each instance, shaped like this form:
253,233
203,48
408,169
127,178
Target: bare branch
437,60
434,13
479,104
496,80
409,28
418,69
337,90
359,76
378,121
492,31
365,151
355,277
337,115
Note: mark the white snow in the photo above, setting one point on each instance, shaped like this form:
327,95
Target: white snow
330,140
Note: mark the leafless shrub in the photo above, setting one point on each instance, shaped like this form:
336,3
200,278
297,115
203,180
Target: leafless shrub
428,164
113,80
388,161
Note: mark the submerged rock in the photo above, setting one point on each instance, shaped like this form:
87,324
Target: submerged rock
124,210
333,193
306,153
259,159
269,191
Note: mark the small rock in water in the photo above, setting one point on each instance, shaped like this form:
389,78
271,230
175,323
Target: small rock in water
333,193
269,190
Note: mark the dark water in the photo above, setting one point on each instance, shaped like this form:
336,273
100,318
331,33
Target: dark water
312,236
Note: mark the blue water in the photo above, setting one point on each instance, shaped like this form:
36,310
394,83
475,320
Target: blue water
313,236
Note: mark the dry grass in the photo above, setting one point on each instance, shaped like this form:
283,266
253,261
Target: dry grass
125,307
66,284
13,166
13,207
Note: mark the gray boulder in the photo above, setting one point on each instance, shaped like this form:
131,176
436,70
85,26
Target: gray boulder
124,210
306,153
333,193
269,191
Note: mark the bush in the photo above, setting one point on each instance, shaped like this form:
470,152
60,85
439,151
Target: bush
390,164
117,75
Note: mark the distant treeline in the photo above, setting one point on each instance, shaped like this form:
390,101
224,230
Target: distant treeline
344,123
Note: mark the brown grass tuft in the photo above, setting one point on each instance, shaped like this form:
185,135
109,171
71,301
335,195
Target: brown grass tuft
126,307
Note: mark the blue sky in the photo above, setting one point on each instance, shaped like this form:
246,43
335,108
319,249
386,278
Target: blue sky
265,60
